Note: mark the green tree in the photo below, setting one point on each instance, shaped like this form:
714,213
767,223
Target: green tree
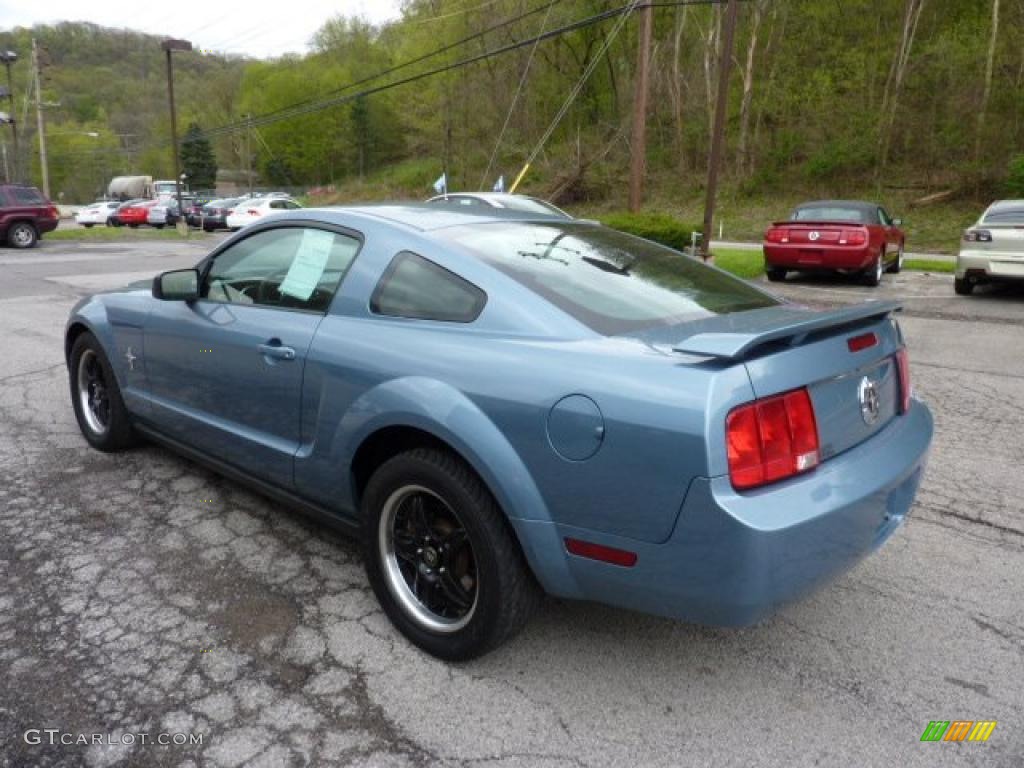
197,159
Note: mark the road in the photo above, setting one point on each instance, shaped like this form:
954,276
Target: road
143,594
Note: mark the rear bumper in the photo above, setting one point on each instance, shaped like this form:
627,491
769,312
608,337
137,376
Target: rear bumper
46,225
989,265
734,558
809,257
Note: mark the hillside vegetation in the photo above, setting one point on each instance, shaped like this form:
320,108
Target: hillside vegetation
891,99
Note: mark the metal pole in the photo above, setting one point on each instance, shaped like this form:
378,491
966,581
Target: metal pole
7,170
724,62
14,123
639,136
41,123
174,133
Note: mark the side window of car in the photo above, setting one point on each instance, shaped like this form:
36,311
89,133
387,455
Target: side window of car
883,218
417,288
291,205
286,267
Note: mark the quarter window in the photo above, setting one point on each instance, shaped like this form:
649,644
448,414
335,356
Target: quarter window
417,288
287,267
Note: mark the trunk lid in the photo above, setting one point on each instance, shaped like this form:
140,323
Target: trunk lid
854,385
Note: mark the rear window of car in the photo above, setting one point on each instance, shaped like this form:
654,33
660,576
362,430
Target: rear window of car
1005,216
833,213
612,282
418,288
24,196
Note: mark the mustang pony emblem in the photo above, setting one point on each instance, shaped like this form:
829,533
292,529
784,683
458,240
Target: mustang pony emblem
815,234
869,402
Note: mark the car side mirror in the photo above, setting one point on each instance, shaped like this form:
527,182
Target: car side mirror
897,222
177,285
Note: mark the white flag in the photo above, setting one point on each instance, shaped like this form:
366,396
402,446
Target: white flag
441,185
499,185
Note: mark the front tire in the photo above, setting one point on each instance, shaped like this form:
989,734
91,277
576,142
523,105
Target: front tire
963,287
87,226
21,234
441,557
96,397
897,266
873,275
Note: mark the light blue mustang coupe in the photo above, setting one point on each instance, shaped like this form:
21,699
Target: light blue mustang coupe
505,405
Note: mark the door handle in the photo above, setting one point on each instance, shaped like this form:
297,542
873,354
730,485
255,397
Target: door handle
275,350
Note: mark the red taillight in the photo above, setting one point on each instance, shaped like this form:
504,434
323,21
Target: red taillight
903,366
775,235
253,212
53,212
592,551
771,439
853,237
864,341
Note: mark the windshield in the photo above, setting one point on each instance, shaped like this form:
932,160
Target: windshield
612,282
831,213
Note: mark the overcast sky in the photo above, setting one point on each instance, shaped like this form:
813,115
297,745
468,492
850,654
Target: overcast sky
258,28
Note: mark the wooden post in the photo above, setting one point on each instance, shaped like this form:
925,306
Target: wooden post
717,134
640,89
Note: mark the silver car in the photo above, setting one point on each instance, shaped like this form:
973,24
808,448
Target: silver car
491,200
992,250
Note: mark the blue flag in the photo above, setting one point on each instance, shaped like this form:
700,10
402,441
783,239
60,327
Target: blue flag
499,185
441,185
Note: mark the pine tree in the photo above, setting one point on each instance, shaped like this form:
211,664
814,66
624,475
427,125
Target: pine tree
197,159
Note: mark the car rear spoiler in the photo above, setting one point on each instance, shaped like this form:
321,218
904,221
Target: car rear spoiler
790,327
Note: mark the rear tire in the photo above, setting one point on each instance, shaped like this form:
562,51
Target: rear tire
775,274
96,397
441,556
873,275
963,287
21,234
87,226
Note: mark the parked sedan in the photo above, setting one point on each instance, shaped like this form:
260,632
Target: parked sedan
134,213
250,211
852,237
162,215
992,251
215,212
481,398
97,213
500,200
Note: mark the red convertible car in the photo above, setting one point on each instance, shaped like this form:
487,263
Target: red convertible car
835,235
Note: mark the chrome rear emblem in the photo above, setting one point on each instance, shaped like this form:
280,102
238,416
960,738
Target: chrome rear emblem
869,402
815,234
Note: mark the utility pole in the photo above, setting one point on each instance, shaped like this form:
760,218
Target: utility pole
169,47
8,58
7,169
717,134
40,122
248,152
641,87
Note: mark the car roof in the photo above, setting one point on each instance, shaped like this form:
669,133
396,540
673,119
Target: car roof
422,216
999,205
856,204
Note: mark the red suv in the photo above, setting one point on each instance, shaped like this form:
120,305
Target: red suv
25,215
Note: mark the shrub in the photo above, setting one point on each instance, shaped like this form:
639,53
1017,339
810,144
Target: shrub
659,227
1015,177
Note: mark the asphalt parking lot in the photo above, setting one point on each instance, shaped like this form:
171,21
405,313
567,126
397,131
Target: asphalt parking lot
143,594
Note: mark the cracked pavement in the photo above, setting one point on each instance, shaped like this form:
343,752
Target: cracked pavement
143,594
